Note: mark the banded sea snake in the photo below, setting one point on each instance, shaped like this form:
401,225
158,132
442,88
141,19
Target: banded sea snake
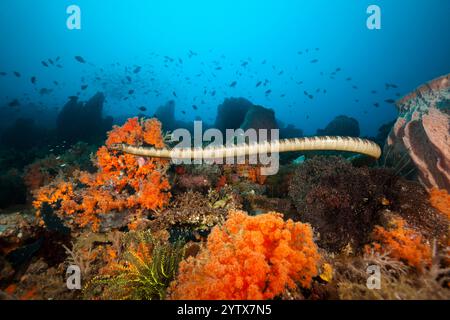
357,145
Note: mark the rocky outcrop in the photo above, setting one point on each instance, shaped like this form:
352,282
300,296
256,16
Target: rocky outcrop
79,121
341,126
231,113
422,132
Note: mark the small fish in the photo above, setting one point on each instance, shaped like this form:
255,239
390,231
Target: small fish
213,93
233,84
57,58
59,66
258,84
129,78
3,74
348,79
137,69
143,109
194,107
84,87
55,83
314,61
376,105
45,91
391,101
355,87
280,73
51,62
131,91
45,64
80,59
183,112
218,68
373,92
174,94
244,64
268,92
33,80
63,165
311,96
14,103
17,74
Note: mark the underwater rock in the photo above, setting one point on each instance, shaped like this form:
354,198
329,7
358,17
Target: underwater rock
16,229
78,121
24,134
231,113
166,115
290,131
12,189
341,126
422,132
258,117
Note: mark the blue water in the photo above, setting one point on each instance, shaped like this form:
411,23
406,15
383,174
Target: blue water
412,48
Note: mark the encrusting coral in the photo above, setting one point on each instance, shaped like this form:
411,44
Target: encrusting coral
249,258
122,181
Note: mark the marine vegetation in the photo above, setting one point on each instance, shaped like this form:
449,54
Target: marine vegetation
143,272
249,258
121,182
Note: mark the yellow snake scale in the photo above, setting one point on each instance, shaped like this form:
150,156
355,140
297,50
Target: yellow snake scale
357,145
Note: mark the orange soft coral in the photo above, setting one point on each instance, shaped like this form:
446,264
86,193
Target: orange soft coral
440,199
122,181
402,243
249,258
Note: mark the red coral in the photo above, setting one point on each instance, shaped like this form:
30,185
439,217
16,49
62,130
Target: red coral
402,243
122,181
249,258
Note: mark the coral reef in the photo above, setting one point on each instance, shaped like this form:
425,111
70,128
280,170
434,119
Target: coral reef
338,200
143,272
402,243
121,182
422,133
344,203
398,282
249,258
440,199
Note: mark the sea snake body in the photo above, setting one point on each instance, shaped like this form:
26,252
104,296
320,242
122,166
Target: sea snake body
357,145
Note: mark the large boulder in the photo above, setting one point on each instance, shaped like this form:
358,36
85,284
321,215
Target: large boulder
231,113
166,115
257,118
79,121
341,126
422,132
